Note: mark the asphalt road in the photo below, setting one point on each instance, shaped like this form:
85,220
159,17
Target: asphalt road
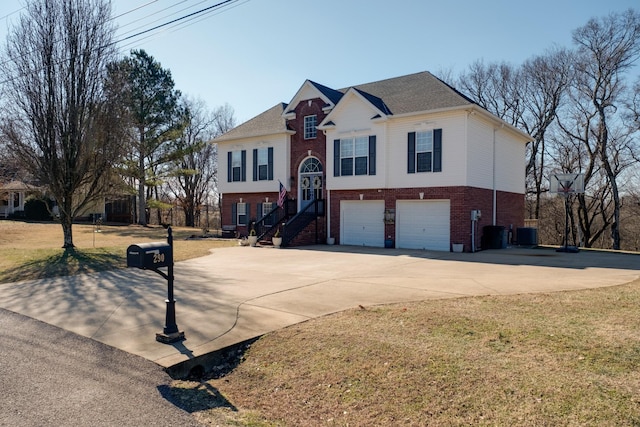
53,377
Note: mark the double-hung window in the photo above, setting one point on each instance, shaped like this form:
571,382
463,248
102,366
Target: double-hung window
310,130
241,214
424,151
263,164
267,207
354,156
236,166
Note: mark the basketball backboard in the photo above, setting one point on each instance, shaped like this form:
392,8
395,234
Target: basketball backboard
566,183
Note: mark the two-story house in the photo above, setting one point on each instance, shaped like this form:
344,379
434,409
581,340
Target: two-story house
407,161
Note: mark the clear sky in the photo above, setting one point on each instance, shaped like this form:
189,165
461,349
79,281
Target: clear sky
253,54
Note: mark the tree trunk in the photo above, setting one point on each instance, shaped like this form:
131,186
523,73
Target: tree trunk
66,220
142,201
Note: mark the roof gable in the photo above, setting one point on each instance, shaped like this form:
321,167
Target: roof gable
415,93
312,90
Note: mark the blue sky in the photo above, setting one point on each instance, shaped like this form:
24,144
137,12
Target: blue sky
253,54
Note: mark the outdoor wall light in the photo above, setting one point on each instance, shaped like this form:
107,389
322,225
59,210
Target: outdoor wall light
421,196
389,216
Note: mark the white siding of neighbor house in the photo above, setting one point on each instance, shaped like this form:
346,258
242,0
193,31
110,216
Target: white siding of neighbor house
281,161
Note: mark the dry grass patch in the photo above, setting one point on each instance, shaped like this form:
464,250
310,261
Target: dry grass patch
31,250
566,358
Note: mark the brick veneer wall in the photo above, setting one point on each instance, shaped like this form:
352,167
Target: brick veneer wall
510,208
301,147
226,210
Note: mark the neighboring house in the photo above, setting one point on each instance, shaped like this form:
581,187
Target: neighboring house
13,196
400,162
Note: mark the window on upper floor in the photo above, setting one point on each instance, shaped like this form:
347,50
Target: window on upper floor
237,166
424,150
263,164
310,130
354,156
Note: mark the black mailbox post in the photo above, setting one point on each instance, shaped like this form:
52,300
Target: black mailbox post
153,256
149,256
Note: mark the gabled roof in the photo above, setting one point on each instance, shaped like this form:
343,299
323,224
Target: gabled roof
270,122
333,95
414,93
17,186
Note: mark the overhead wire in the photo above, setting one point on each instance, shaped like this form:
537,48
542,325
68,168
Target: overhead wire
188,17
187,23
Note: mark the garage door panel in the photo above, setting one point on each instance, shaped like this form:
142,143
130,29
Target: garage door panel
361,223
423,224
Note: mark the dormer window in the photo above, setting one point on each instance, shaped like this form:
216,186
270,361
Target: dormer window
310,123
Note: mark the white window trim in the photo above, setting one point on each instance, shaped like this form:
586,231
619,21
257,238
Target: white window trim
310,131
241,209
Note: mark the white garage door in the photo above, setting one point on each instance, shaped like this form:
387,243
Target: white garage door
423,224
362,223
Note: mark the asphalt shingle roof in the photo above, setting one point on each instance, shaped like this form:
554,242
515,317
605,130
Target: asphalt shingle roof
399,95
270,122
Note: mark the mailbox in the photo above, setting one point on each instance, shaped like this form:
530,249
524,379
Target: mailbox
150,256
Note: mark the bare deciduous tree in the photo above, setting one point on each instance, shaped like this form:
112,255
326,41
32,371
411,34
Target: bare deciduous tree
607,49
195,173
57,120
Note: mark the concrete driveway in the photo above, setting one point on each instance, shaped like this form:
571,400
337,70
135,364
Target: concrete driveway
239,293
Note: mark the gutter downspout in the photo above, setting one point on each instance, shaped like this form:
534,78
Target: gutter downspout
328,209
494,201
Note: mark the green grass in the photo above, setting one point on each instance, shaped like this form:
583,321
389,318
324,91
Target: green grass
33,250
560,359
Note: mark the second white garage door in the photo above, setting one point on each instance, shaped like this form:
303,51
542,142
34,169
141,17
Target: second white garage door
362,223
423,224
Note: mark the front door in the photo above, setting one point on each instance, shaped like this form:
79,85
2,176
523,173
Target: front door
311,183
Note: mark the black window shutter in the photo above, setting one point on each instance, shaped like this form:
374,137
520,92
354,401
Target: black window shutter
336,157
437,150
229,167
234,214
372,155
259,207
270,155
248,207
411,153
244,166
255,164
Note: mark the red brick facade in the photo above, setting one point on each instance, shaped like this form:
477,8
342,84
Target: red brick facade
510,206
301,147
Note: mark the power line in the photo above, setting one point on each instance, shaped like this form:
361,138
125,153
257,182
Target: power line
222,3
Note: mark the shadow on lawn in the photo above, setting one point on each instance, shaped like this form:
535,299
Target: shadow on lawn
66,263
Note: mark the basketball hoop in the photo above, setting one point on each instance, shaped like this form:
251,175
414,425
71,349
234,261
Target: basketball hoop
566,184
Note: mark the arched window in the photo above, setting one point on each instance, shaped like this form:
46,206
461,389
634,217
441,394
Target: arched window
311,165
